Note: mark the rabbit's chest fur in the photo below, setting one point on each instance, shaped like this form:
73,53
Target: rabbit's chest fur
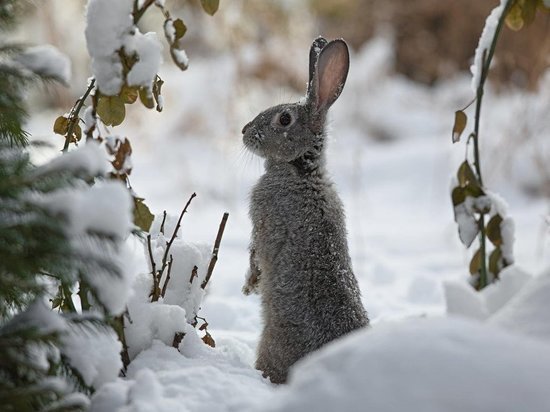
299,238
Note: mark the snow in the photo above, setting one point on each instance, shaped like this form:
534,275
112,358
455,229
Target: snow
94,352
109,30
88,160
48,61
149,49
421,365
484,44
463,300
176,311
527,313
107,24
180,56
391,164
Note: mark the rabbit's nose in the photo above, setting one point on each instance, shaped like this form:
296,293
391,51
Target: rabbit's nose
246,126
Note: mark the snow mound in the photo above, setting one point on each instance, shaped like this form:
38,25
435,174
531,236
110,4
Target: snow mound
161,379
428,365
527,312
463,300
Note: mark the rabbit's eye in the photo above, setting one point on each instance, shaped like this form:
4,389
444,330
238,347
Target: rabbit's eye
285,119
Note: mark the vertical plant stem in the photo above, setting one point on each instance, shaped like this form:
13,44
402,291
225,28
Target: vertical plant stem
486,63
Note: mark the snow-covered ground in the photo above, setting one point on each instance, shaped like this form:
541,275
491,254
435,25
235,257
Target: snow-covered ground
391,156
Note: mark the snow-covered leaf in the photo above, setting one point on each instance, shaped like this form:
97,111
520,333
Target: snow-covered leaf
111,110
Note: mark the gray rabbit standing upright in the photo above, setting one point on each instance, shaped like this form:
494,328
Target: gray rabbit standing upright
299,259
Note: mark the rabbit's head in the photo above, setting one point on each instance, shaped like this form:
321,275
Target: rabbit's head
295,131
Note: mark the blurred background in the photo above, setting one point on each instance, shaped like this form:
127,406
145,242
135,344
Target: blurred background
390,149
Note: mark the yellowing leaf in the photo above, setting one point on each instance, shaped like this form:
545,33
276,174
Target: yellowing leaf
459,125
143,218
529,10
180,28
495,261
111,110
146,98
493,230
128,94
514,18
210,6
61,125
475,263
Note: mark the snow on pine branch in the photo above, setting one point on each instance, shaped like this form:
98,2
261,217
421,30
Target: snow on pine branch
484,44
47,61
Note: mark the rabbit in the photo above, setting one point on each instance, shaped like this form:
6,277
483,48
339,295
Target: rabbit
299,260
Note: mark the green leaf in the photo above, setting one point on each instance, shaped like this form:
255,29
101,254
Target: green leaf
61,125
495,261
129,94
466,175
210,6
111,110
458,195
143,218
180,28
77,133
473,191
475,263
459,125
493,230
146,98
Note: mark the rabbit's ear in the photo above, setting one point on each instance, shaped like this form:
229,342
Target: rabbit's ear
329,76
314,52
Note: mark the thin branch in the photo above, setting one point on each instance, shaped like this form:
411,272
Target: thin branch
169,243
178,337
194,274
170,262
138,13
163,221
214,258
75,115
153,267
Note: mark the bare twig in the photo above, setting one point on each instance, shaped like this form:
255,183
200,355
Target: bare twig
170,262
169,243
214,258
138,12
163,222
153,268
178,337
74,115
194,274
